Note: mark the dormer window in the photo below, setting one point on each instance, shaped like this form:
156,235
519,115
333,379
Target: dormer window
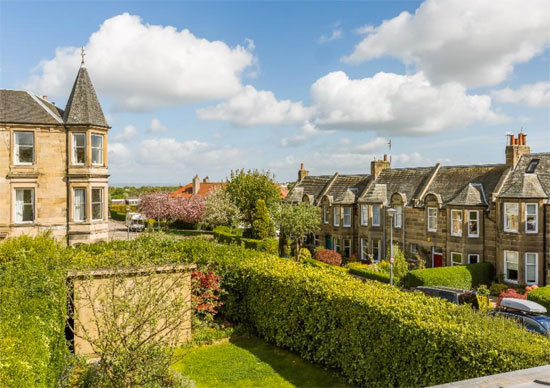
532,166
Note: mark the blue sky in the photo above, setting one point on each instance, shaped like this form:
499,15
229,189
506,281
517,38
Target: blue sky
206,87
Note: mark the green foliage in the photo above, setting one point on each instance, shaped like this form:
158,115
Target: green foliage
400,265
119,216
319,264
298,220
135,192
497,288
220,210
462,276
33,351
304,254
262,226
224,235
245,188
366,272
541,296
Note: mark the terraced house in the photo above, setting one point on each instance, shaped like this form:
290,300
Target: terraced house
446,215
53,164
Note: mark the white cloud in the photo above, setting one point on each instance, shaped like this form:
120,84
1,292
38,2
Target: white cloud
165,152
535,95
256,107
142,66
128,133
474,42
372,145
156,126
119,154
335,34
396,104
307,131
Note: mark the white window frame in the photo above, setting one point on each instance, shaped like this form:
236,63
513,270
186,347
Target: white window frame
346,246
454,212
336,216
344,223
415,250
474,254
33,204
398,217
75,147
536,218
17,146
84,204
325,214
364,249
505,219
376,211
100,163
377,259
536,255
461,259
505,253
431,228
364,214
336,244
101,203
469,212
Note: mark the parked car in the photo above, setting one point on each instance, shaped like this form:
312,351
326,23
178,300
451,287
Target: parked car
453,295
135,221
529,314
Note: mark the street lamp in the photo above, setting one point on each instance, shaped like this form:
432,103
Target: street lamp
391,212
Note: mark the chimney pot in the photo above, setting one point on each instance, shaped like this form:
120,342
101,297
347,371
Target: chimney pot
385,158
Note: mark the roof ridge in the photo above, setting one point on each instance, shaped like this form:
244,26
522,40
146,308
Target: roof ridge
48,110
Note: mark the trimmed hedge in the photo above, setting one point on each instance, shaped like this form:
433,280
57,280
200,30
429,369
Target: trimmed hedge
541,295
119,216
319,264
383,277
462,276
269,245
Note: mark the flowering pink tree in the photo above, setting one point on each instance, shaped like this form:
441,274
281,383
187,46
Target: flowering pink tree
189,210
156,206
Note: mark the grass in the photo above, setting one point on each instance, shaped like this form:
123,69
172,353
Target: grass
251,362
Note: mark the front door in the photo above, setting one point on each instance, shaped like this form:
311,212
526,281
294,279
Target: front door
328,242
437,259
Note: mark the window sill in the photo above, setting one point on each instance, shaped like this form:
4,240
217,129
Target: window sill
534,233
473,236
24,224
456,235
510,281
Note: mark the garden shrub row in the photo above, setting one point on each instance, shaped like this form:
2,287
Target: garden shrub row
319,264
461,276
383,277
119,216
269,245
541,295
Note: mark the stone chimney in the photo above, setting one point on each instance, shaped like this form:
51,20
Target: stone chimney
302,173
196,184
206,180
376,166
516,148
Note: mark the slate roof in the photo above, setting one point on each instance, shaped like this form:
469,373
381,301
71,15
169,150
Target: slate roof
408,181
472,194
346,188
83,106
22,107
310,185
521,184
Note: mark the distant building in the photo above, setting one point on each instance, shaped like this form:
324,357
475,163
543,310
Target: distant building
196,187
53,164
446,215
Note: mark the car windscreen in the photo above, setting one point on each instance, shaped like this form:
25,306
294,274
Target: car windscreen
545,323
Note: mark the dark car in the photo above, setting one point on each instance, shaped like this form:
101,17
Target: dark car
453,295
529,314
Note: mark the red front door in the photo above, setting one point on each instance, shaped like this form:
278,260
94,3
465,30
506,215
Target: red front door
438,260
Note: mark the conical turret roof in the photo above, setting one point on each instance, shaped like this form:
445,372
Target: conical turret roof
83,106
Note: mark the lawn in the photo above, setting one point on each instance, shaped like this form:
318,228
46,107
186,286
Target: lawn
251,362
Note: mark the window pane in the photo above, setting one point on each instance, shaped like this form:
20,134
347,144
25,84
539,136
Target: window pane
456,258
97,141
79,204
474,259
473,223
24,205
376,215
79,140
96,195
511,214
512,260
28,214
24,138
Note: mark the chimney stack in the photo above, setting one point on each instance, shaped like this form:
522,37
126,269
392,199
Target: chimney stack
516,148
206,180
196,184
302,173
376,166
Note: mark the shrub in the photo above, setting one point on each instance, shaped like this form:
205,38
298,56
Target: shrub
329,257
497,288
541,295
206,294
319,264
304,254
463,276
510,293
366,273
119,216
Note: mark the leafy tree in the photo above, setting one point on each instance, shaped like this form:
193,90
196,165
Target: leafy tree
298,220
220,210
245,188
189,210
262,226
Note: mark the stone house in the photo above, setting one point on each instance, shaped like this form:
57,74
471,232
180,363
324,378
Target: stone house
53,165
446,215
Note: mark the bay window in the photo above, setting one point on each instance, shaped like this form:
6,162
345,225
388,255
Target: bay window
79,148
511,217
97,150
336,215
364,215
376,250
97,204
511,266
347,247
79,201
336,244
23,148
347,217
473,223
531,268
531,218
456,223
432,219
364,249
24,206
375,215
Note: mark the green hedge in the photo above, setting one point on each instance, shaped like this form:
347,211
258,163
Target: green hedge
269,245
319,264
119,216
462,276
383,277
541,295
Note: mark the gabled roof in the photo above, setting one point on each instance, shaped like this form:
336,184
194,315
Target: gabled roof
83,106
346,188
407,181
378,193
204,189
22,107
471,195
521,184
309,185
